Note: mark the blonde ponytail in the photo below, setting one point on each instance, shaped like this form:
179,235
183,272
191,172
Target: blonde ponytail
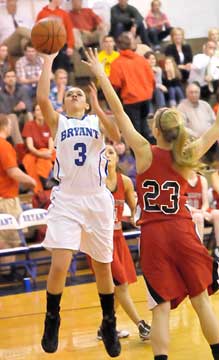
171,124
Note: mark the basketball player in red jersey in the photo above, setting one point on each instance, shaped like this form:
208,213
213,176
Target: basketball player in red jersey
197,192
167,229
123,270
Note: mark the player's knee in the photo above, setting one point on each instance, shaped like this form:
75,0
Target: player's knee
198,218
59,269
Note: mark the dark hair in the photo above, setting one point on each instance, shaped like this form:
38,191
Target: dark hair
7,71
28,44
148,54
123,41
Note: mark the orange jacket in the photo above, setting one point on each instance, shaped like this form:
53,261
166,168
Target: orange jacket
46,12
8,186
132,75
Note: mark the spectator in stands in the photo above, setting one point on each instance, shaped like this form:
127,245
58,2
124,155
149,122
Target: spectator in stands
160,90
28,69
58,89
197,193
88,27
181,52
198,114
204,70
172,81
125,17
107,55
136,91
38,162
14,29
126,161
63,60
14,98
10,178
158,24
4,64
213,35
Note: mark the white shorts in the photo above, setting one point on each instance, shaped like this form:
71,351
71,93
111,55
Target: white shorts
79,222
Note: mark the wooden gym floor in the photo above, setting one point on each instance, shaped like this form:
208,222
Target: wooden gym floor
22,316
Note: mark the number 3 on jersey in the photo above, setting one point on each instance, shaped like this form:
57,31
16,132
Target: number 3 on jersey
154,190
81,153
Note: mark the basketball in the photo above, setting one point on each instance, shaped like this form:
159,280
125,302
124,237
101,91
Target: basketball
48,35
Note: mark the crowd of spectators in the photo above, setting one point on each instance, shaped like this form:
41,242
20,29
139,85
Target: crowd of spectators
146,72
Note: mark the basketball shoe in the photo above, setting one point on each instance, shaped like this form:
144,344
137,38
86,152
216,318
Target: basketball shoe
51,331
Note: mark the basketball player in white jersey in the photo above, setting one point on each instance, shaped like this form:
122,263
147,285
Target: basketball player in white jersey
80,216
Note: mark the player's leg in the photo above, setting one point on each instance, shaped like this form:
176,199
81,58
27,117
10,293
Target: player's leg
105,289
215,219
198,219
56,281
160,331
125,300
208,321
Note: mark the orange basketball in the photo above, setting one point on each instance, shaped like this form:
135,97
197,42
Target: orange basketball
48,35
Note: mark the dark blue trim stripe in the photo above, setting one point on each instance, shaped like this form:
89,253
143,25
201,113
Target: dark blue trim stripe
58,171
100,175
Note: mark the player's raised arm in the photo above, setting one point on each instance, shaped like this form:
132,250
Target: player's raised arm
136,141
43,89
107,125
199,147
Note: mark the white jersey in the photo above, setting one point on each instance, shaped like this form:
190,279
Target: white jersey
81,165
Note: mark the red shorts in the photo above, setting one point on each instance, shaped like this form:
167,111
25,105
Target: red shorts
174,262
123,269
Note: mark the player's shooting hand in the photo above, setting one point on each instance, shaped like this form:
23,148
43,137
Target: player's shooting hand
48,57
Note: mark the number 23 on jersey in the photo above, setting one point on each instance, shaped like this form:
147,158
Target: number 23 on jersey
154,190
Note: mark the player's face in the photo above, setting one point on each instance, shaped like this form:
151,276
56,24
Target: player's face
111,156
75,100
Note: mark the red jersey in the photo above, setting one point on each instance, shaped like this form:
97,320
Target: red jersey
119,197
194,194
161,190
39,133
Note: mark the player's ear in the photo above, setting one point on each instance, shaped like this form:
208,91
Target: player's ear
88,107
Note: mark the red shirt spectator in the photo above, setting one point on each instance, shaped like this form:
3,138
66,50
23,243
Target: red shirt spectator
47,12
39,133
85,19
